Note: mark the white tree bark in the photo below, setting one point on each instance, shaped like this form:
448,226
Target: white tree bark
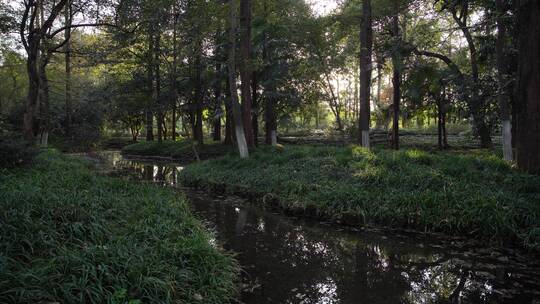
237,112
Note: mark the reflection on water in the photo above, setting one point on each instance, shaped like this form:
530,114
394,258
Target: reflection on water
288,260
140,169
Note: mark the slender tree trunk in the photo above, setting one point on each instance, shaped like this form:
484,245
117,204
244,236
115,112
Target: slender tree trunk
157,84
172,80
366,48
334,101
270,119
255,109
439,126
67,50
44,117
475,104
502,95
237,111
245,68
229,121
33,91
528,91
444,133
150,103
396,82
216,132
198,130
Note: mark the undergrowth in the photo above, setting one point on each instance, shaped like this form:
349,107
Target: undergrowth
70,236
475,194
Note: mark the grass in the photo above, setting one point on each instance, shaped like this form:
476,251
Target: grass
179,150
69,235
474,194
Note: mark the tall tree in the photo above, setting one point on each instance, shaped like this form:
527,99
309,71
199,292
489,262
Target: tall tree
460,11
67,55
231,64
246,69
503,84
528,87
270,119
32,33
366,49
396,77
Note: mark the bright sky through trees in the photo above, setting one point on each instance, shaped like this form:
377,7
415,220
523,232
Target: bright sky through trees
323,7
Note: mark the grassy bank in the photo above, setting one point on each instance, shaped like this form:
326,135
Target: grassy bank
183,150
70,236
474,194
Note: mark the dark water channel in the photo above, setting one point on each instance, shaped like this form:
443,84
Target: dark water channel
290,260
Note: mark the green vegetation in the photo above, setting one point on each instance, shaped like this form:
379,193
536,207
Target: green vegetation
475,194
183,150
15,151
71,236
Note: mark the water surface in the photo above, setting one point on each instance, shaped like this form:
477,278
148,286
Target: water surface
290,260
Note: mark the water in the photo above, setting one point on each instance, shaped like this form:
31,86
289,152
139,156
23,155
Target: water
290,260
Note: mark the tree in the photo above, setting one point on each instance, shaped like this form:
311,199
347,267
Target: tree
40,38
502,80
246,70
366,48
460,14
528,87
68,19
237,112
32,33
396,78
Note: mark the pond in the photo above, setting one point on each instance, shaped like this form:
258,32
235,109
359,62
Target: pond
293,260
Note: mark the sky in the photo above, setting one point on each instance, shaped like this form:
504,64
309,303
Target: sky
323,7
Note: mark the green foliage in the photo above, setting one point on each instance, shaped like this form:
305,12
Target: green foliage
15,151
474,194
71,236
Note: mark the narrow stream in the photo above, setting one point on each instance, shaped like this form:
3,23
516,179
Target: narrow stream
290,260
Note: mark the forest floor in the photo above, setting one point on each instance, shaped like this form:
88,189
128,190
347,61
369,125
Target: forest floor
70,235
472,193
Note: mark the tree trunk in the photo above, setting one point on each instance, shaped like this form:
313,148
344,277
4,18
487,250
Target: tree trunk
33,90
475,104
502,95
172,80
216,122
396,82
255,109
67,50
229,123
237,111
157,84
245,68
439,126
270,120
44,102
150,103
366,47
528,91
199,135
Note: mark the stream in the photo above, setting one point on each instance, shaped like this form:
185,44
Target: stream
293,260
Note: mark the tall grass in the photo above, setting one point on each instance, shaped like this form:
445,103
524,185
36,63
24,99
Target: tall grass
474,194
70,236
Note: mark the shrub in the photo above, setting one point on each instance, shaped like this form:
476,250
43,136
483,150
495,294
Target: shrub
14,151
